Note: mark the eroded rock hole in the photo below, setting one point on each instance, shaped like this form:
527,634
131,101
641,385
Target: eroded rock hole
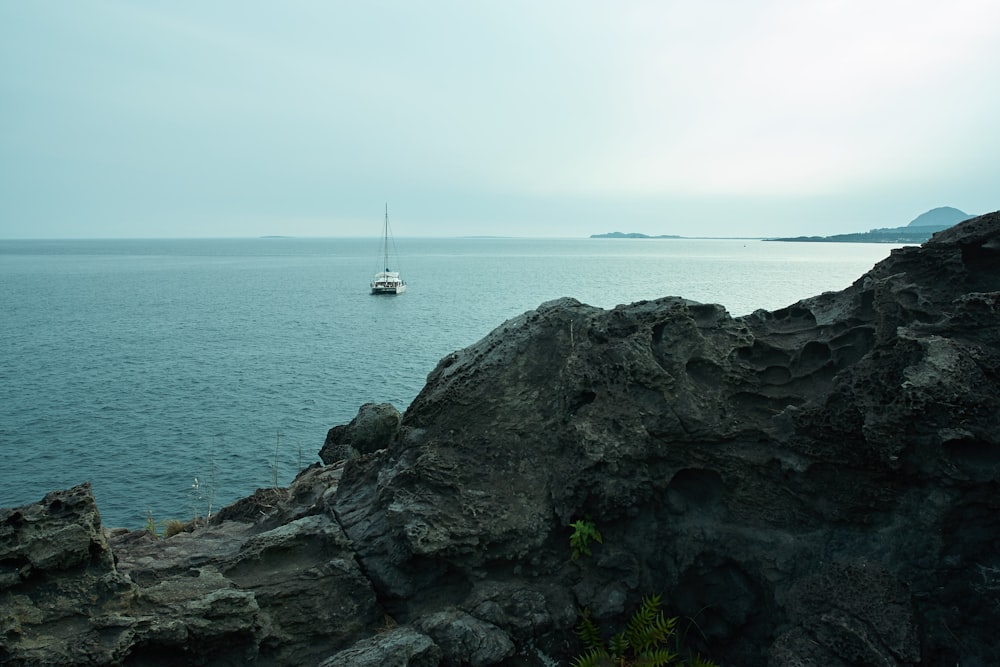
814,354
704,372
983,265
973,452
581,399
695,489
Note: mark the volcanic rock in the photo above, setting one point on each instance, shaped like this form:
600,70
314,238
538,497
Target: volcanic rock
375,426
817,485
229,593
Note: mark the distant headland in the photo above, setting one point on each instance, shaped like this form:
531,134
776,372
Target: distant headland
919,230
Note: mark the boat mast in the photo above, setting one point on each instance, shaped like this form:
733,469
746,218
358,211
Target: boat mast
385,239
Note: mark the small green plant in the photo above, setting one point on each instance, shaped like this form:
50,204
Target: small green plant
644,642
161,529
584,531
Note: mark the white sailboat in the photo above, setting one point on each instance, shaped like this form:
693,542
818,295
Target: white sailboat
387,281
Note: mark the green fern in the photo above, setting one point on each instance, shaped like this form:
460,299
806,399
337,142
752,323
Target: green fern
584,531
698,661
618,646
648,627
593,658
656,658
643,643
589,633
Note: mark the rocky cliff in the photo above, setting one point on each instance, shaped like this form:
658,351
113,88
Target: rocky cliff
812,486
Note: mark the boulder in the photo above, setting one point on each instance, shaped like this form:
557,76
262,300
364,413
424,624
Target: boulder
465,639
284,589
374,427
395,647
63,602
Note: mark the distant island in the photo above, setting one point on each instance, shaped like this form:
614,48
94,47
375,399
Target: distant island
632,235
919,230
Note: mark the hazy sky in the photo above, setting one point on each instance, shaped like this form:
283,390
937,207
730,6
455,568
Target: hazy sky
521,118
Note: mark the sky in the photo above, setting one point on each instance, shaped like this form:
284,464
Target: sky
551,118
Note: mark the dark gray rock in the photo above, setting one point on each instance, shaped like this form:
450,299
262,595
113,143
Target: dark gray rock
396,647
374,428
853,614
283,590
466,640
61,600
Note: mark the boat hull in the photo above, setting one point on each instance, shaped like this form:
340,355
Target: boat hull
388,289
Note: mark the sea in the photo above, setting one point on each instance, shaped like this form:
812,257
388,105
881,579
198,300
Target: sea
177,376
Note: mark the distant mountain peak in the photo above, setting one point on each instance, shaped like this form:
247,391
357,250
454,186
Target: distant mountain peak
943,215
918,231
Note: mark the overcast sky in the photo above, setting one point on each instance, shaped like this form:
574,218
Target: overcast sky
514,118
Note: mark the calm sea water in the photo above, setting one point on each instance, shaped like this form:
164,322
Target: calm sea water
141,364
